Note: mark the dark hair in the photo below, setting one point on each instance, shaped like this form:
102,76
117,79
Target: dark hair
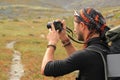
94,20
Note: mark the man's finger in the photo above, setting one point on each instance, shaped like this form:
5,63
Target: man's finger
57,31
64,24
53,27
50,29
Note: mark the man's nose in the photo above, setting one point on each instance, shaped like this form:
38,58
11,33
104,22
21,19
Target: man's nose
74,31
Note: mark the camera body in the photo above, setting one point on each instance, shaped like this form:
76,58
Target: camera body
57,24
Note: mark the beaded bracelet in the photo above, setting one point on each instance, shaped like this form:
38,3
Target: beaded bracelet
66,42
51,46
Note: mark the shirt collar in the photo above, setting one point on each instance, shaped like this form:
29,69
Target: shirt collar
95,40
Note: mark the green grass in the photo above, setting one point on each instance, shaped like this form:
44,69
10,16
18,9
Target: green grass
5,61
30,43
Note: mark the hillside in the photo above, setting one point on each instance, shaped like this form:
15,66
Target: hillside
45,8
65,4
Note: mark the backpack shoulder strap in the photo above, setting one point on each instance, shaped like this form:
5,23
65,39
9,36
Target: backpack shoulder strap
97,50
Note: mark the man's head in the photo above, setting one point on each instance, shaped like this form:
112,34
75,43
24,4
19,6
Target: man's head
89,22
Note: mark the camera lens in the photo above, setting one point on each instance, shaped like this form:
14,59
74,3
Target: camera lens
49,25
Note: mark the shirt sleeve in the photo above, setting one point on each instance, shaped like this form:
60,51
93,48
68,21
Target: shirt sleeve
62,67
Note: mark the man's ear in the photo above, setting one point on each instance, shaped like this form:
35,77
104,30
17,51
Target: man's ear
82,26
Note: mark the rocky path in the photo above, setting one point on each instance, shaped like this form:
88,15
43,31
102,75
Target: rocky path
16,70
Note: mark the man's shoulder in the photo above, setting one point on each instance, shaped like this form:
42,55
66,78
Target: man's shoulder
85,53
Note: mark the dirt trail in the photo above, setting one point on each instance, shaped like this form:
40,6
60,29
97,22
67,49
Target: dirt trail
16,70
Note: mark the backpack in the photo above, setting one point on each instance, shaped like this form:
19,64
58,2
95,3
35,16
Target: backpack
112,62
113,59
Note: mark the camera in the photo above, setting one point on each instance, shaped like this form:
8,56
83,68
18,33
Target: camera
57,24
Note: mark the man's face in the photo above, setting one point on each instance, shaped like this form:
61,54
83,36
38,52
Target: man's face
78,31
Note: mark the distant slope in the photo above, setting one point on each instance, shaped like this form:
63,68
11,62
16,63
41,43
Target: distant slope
65,4
45,8
94,3
73,4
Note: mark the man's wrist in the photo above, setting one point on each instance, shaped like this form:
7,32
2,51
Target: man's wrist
53,46
63,38
66,42
51,43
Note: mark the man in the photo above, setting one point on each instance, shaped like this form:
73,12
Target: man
89,26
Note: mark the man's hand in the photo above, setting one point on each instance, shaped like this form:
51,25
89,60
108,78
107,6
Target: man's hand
53,36
62,35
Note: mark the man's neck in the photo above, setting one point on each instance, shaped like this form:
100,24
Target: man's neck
86,38
96,35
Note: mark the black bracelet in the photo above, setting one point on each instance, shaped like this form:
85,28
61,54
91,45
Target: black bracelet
51,46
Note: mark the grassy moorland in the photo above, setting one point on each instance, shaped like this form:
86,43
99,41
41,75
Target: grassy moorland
31,42
30,35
